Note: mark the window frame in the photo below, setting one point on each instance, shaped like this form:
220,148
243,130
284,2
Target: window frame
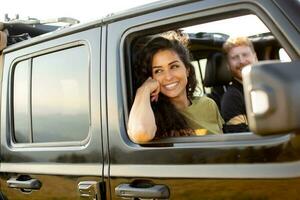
190,19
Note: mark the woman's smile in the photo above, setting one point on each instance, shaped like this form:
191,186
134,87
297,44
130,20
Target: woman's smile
171,86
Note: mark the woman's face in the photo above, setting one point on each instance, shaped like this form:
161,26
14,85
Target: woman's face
171,73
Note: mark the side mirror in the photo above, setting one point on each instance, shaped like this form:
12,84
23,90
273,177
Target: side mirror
272,96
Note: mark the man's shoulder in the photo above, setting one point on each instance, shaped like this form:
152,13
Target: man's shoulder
231,91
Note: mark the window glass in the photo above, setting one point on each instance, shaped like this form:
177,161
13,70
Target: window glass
200,66
21,102
283,56
203,69
236,26
199,89
60,96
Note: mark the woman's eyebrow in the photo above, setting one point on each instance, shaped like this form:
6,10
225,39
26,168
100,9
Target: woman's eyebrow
158,66
154,67
175,61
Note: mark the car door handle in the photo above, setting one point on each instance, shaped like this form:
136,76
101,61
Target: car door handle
145,191
27,184
88,189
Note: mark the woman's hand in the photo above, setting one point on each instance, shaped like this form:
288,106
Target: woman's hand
153,87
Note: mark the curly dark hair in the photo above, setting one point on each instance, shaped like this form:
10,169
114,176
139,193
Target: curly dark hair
168,119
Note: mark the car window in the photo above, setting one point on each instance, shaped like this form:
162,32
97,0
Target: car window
283,56
200,69
206,45
218,31
51,97
21,102
234,26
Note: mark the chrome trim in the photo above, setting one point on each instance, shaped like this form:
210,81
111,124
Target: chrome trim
53,169
253,171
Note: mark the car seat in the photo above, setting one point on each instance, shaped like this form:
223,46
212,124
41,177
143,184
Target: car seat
217,76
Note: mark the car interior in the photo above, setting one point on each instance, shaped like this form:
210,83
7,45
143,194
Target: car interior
208,58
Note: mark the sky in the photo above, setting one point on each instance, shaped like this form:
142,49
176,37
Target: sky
83,10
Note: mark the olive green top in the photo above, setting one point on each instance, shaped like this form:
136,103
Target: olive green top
203,116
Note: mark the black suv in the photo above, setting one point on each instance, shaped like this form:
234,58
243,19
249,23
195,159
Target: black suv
66,94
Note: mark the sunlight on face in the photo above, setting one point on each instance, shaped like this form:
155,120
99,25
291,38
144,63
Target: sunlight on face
238,58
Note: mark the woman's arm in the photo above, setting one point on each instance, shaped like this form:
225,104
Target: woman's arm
141,123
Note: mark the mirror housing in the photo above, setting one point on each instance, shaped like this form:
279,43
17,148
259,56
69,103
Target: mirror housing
272,96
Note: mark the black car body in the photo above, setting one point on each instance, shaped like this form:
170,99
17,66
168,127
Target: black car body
66,95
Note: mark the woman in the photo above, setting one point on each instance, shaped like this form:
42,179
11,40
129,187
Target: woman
164,105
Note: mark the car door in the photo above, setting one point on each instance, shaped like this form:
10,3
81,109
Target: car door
226,166
50,118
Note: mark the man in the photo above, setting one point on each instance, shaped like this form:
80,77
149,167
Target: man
240,53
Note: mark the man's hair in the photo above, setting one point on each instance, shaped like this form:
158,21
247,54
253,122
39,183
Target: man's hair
237,41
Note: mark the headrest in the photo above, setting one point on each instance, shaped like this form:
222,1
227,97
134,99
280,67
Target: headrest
3,40
1,26
216,73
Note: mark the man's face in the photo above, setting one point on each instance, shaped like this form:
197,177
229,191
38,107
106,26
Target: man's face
238,57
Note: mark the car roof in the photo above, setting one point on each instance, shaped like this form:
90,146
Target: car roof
21,30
